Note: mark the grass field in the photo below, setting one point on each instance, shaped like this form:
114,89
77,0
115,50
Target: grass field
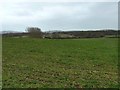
67,63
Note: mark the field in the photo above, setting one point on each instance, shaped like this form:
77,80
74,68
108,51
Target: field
63,63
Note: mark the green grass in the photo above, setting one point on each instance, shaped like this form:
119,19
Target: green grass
48,63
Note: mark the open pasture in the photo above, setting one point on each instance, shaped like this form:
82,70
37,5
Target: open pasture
60,63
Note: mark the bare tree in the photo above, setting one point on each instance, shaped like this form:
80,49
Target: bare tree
34,32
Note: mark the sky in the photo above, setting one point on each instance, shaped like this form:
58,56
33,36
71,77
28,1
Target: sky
17,16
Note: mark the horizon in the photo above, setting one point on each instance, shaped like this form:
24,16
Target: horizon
2,32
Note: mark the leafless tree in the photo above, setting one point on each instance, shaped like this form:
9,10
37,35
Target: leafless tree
34,32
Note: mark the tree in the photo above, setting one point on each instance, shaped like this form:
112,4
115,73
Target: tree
34,32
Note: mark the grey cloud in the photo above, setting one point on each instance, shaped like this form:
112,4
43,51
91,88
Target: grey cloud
49,16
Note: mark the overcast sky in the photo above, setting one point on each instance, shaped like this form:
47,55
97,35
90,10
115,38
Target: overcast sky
16,16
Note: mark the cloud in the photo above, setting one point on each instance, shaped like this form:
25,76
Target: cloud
60,1
43,11
18,15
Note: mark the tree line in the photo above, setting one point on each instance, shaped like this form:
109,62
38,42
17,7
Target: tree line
36,32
